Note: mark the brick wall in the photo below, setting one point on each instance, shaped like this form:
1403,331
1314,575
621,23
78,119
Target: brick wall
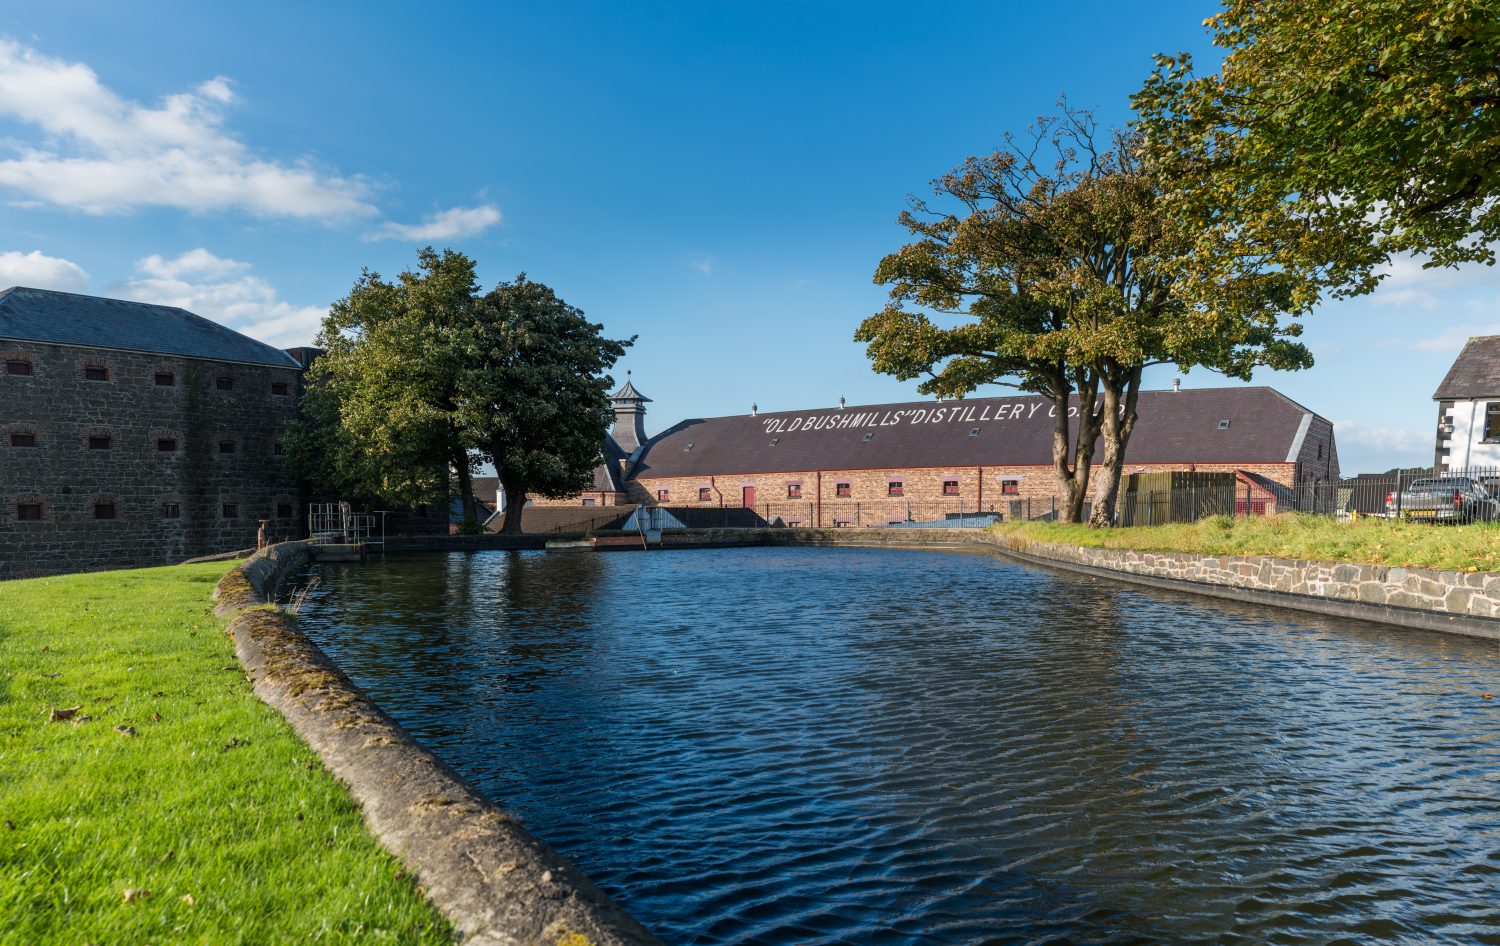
100,443
815,499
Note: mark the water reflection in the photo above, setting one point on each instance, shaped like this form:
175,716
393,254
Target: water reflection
830,746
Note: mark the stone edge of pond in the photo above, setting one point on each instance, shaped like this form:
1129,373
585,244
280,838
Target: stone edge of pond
495,881
1449,602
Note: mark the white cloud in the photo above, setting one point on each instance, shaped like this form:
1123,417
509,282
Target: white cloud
1395,440
451,224
1408,283
199,262
102,153
41,272
225,291
704,265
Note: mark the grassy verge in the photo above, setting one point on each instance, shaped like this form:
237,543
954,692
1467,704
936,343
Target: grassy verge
1375,541
173,807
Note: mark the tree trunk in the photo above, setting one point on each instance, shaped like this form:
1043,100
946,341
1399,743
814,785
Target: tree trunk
466,490
1118,421
515,504
1073,477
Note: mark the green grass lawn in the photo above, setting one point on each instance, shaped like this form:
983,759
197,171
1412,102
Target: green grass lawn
1376,541
213,805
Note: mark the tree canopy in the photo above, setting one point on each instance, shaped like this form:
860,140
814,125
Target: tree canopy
536,391
1052,268
423,376
1373,123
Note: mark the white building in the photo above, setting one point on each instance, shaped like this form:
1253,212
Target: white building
1468,434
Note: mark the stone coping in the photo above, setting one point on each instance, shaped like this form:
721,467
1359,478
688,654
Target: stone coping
497,883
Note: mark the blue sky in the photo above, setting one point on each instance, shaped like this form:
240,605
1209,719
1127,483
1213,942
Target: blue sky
719,179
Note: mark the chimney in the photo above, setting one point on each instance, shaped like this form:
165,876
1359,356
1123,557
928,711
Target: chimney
629,431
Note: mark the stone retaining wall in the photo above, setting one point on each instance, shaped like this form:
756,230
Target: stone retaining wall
495,881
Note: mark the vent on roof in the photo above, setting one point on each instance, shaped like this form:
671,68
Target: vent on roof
1223,425
870,436
973,431
775,441
688,449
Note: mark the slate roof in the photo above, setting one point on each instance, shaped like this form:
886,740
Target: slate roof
66,318
1476,373
628,392
1264,427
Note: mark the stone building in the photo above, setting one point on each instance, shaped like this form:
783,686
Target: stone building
927,460
136,435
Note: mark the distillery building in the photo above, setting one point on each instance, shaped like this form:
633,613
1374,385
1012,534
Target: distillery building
873,465
136,435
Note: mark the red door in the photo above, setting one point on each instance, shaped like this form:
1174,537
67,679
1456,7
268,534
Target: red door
748,498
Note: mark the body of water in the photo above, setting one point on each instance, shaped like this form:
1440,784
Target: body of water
819,746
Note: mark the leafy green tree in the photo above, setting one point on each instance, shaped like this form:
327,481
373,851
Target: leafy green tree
536,392
1062,280
1375,124
383,406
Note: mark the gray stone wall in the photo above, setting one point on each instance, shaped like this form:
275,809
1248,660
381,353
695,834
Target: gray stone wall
219,493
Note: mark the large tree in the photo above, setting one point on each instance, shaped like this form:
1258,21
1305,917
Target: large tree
1051,268
1376,125
384,403
536,392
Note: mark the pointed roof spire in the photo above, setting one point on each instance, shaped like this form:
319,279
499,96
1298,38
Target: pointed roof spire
628,392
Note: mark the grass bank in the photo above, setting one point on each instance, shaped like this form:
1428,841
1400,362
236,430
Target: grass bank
172,806
1320,538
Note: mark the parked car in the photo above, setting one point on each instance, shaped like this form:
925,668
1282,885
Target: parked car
1444,499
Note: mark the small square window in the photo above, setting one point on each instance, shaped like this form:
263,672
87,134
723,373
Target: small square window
895,489
1223,425
794,491
278,449
688,449
870,436
589,502
224,384
662,495
842,523
166,379
23,440
226,446
17,366
843,490
280,388
1010,487
775,441
950,487
29,512
95,373
284,511
171,510
98,443
230,510
973,431
104,510
166,445
705,494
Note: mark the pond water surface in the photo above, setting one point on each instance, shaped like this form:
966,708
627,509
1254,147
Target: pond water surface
818,746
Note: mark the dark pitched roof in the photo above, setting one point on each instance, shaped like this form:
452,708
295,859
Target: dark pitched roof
1476,373
66,318
1264,427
